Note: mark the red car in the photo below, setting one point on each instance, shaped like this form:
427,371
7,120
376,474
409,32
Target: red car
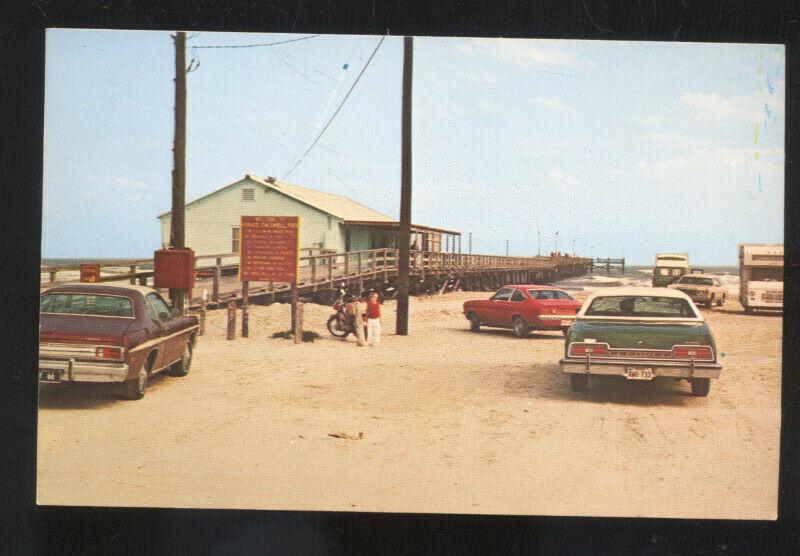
122,335
524,308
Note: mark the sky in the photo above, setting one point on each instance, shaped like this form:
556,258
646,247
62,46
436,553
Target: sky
610,148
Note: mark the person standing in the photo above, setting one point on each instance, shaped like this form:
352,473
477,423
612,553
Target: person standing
373,319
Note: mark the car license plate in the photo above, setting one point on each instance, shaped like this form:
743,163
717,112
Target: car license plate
639,373
49,376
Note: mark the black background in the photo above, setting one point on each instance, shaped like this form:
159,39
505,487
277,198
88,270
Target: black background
26,528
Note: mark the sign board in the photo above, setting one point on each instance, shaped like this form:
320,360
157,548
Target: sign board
90,272
269,249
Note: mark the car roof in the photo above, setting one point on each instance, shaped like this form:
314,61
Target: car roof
698,275
638,290
100,288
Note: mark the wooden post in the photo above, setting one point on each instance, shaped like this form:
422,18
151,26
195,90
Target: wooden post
298,326
177,218
404,231
346,264
313,262
142,280
359,323
359,263
245,316
132,268
231,320
330,268
53,276
623,265
294,304
215,281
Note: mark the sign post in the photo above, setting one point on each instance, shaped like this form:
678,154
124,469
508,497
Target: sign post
270,251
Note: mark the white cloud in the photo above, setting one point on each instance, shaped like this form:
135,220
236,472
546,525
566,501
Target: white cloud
554,103
523,51
748,109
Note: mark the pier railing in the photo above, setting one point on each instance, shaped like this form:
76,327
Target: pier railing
219,271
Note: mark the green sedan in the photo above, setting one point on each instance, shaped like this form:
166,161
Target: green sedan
641,333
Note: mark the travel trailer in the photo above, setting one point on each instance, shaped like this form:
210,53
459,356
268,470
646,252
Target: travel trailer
761,276
669,267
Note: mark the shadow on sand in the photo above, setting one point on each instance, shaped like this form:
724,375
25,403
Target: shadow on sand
89,395
507,333
548,382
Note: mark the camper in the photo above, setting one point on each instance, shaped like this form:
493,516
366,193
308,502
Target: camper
761,276
669,267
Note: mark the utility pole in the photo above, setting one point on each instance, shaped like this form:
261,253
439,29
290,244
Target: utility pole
538,243
177,222
401,328
506,248
556,249
470,243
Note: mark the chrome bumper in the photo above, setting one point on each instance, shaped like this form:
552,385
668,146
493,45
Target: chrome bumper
81,371
674,369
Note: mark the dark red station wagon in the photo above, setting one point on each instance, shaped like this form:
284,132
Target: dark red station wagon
523,308
122,335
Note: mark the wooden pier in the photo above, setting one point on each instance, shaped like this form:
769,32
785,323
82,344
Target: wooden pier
608,264
321,275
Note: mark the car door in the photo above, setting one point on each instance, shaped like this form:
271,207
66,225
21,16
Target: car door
519,304
171,345
498,306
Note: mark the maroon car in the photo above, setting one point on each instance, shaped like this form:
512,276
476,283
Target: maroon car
523,308
122,335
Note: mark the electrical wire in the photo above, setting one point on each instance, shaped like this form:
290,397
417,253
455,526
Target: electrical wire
320,134
254,45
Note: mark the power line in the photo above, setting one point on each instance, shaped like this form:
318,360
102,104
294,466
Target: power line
319,135
254,45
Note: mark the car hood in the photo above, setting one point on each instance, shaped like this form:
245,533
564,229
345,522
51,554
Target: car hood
649,335
76,328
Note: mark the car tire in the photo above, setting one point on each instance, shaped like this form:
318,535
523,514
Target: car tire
520,327
135,389
565,330
748,310
579,381
181,368
721,301
474,322
700,386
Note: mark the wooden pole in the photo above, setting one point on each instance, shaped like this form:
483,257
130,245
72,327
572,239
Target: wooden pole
404,240
298,327
132,272
294,304
215,281
245,315
231,320
177,220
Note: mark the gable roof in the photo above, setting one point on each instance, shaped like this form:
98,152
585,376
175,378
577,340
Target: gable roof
335,205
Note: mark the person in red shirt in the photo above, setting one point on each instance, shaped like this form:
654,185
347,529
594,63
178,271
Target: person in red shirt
373,319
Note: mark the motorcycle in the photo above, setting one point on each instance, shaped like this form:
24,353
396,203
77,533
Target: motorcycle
343,321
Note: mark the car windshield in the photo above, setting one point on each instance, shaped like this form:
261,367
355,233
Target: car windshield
640,306
86,304
696,281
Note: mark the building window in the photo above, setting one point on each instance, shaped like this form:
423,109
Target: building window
235,241
248,194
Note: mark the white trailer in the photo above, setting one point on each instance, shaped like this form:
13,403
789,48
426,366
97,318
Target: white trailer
761,276
669,267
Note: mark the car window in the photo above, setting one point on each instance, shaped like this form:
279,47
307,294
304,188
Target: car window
517,296
545,294
157,309
564,295
502,294
695,280
86,304
640,306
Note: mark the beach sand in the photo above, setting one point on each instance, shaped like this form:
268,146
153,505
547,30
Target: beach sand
442,420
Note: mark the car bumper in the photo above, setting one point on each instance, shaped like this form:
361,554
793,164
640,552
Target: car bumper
51,370
681,369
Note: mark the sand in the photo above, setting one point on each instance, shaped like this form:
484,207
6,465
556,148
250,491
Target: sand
443,420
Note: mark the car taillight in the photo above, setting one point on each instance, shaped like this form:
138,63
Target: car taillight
582,349
693,352
108,352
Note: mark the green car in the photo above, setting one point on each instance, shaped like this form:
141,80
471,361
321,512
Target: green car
641,333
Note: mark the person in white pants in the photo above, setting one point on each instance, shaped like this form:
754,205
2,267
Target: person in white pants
373,320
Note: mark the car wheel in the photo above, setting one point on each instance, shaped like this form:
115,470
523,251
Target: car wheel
521,328
748,310
700,386
181,368
579,381
474,322
565,330
135,389
721,301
